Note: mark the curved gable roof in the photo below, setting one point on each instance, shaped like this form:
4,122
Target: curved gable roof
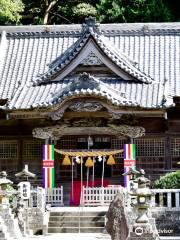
26,51
93,41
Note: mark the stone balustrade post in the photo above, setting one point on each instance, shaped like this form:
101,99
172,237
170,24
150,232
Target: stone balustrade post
41,199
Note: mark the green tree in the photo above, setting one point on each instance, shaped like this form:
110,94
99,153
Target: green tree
170,180
10,11
133,11
83,10
39,12
57,11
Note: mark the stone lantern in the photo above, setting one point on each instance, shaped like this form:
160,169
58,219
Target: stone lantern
144,226
25,173
25,186
4,185
143,195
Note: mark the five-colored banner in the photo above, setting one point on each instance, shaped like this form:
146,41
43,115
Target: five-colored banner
129,161
48,166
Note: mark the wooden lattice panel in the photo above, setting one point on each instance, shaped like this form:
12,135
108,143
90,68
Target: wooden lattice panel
150,154
118,168
175,152
150,147
9,154
67,142
65,172
32,154
175,147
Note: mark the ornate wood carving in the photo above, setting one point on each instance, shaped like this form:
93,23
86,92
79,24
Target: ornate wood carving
57,115
88,122
91,60
86,106
128,131
55,132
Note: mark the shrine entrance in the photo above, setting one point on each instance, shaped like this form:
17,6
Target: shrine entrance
96,143
80,143
97,149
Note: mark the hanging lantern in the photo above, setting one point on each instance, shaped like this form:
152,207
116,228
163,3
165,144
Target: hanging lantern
89,162
66,161
111,160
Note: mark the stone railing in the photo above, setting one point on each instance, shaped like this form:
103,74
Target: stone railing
166,198
53,197
162,198
99,195
103,196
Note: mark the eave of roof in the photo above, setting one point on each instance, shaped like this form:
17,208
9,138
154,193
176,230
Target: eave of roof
89,85
106,29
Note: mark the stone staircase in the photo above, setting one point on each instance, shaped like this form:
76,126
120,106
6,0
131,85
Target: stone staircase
75,222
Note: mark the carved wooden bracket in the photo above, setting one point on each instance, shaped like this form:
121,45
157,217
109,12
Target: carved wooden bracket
128,131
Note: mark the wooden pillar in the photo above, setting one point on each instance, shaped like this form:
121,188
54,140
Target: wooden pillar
20,155
168,157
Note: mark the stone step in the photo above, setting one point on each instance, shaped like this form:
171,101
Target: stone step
69,222
86,214
76,230
76,218
76,224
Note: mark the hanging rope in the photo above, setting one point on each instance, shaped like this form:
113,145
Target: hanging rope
88,153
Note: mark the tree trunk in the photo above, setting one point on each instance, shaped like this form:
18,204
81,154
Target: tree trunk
49,6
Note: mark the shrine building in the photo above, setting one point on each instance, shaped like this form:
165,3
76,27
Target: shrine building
110,83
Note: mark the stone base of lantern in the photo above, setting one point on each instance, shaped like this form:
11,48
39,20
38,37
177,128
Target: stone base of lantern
143,231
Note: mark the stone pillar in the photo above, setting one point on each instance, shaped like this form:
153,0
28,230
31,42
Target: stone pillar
41,199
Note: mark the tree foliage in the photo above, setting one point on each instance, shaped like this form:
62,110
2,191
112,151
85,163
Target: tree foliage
133,11
170,180
57,11
83,10
10,11
74,11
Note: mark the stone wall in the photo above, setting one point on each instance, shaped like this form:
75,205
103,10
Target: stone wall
167,221
35,220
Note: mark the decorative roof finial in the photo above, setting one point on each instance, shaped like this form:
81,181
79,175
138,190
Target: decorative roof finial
90,25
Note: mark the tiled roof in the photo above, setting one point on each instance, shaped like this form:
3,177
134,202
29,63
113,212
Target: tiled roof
119,93
27,52
91,31
52,94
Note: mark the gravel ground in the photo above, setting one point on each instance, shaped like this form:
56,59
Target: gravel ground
82,236
72,236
